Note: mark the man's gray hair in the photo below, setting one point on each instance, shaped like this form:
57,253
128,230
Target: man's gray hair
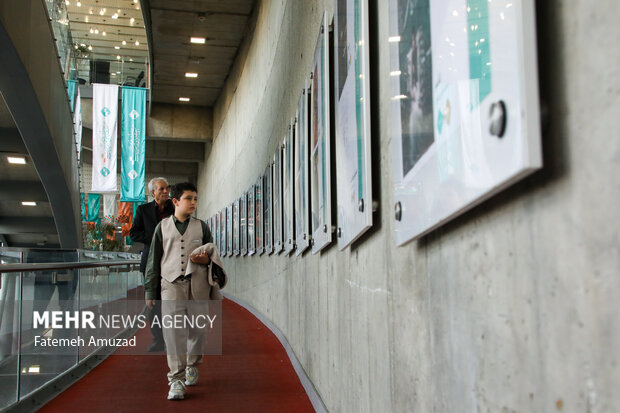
152,182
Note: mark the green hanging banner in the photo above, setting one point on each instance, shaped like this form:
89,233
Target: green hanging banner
94,203
133,134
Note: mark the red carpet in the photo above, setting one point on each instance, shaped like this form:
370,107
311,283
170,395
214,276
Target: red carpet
253,374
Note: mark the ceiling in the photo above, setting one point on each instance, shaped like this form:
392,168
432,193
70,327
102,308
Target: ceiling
125,45
222,24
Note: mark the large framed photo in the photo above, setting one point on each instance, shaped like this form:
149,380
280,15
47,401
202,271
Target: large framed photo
352,125
277,201
267,209
258,216
229,230
287,192
320,143
465,106
235,227
243,224
302,175
251,212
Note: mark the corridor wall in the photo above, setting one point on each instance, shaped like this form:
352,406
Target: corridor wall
509,307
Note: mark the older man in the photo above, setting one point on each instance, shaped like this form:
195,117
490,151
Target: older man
147,217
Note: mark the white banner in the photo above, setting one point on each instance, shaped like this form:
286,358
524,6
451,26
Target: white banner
105,124
110,207
77,124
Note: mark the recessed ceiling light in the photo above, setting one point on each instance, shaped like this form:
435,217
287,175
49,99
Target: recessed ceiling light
78,4
29,203
115,16
189,74
182,99
131,59
103,34
16,159
117,47
123,43
86,19
132,20
90,47
197,40
96,31
137,43
118,57
67,2
101,12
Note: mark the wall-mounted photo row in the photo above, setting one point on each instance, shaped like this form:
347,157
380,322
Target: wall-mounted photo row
223,238
251,212
229,230
465,106
243,223
277,201
235,227
258,215
320,143
352,123
267,209
287,191
302,175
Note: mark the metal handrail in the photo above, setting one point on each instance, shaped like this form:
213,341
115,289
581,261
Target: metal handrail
50,266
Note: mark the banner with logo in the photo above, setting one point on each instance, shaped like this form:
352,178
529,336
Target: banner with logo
133,133
105,115
77,124
125,216
94,201
110,208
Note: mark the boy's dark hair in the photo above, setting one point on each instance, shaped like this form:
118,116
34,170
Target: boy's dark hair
176,191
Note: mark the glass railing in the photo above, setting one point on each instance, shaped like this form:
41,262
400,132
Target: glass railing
124,72
69,280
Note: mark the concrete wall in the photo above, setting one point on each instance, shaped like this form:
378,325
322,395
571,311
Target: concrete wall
511,307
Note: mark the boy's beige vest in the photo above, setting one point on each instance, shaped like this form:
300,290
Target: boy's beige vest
177,247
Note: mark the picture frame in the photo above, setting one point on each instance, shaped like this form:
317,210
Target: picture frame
235,227
302,174
278,244
288,193
465,108
243,224
258,216
229,230
251,212
320,142
352,120
268,208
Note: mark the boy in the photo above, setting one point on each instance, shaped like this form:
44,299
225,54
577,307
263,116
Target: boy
174,239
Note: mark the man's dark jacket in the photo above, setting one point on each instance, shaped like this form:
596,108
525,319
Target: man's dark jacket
144,224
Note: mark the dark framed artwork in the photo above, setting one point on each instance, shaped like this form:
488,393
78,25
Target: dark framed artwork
235,227
288,212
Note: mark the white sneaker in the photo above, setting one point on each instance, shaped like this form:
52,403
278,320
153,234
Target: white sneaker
177,390
191,375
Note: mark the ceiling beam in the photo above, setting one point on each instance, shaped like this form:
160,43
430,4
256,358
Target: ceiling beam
27,225
17,190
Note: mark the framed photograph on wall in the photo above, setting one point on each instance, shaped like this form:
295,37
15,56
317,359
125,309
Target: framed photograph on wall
465,106
320,143
277,201
288,212
352,123
235,227
229,230
251,212
258,216
267,210
302,175
243,224
216,231
222,230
